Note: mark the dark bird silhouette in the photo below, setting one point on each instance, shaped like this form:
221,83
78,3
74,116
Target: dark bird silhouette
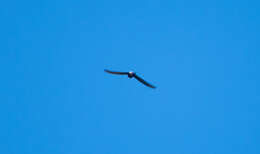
130,75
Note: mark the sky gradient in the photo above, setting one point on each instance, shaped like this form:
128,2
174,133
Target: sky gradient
202,55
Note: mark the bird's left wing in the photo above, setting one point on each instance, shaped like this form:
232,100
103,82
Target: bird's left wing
118,73
143,81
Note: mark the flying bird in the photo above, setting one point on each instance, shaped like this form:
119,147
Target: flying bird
130,75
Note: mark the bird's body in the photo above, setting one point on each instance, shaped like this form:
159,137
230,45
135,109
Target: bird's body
131,74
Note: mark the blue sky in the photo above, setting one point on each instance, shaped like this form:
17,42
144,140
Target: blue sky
202,55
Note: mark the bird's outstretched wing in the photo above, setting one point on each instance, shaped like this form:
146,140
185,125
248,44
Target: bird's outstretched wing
143,81
118,73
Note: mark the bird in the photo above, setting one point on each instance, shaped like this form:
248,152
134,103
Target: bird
131,74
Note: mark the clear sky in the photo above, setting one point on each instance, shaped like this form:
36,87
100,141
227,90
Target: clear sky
204,57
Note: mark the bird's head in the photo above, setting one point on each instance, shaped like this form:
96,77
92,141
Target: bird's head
131,74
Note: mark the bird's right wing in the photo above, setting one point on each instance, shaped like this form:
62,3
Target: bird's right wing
143,81
118,73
